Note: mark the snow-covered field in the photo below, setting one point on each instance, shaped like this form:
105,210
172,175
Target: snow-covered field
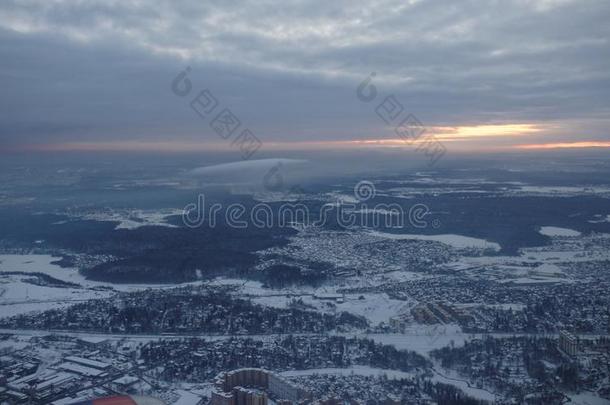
586,398
422,338
376,308
556,231
18,296
574,251
35,263
128,218
39,264
456,241
561,191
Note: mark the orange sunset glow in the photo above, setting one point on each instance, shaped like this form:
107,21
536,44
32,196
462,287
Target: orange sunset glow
566,145
453,134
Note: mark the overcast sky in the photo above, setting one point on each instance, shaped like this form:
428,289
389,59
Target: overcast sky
101,71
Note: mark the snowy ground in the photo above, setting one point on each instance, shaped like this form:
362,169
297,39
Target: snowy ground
186,398
539,264
556,231
456,241
422,338
587,399
127,218
464,385
376,307
40,264
18,296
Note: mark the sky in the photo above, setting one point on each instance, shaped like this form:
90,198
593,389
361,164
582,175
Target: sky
477,75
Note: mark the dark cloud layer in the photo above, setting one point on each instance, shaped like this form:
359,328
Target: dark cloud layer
101,70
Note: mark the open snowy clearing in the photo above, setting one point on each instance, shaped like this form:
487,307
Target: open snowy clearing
556,231
456,241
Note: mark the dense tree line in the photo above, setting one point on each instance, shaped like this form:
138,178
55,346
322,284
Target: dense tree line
492,360
184,310
195,359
